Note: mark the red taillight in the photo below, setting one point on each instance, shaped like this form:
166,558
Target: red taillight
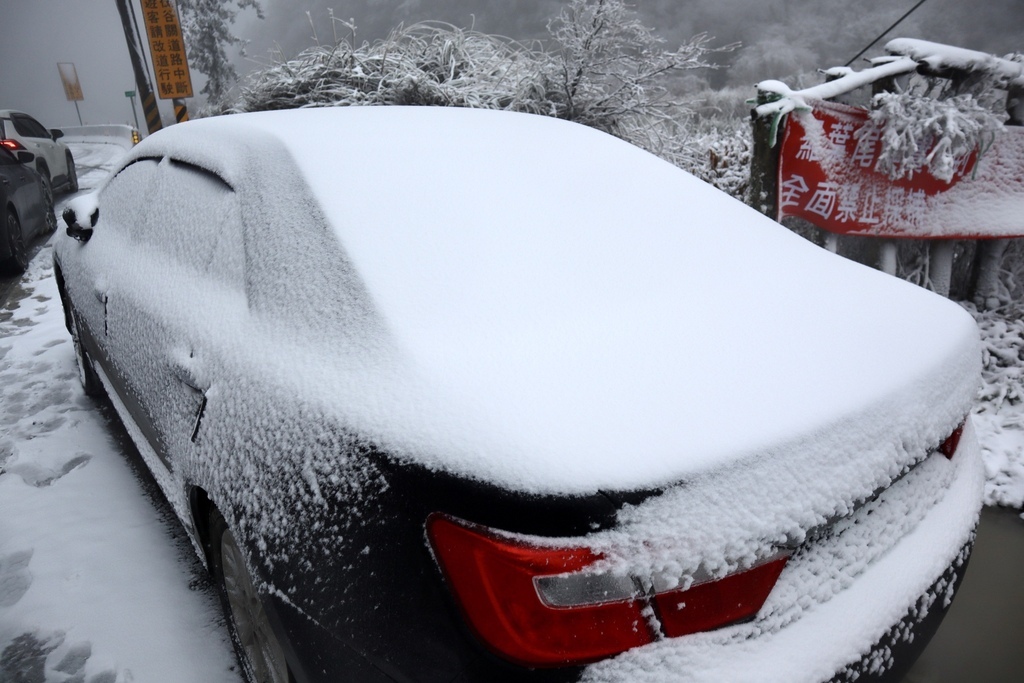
493,581
534,606
12,145
706,606
948,447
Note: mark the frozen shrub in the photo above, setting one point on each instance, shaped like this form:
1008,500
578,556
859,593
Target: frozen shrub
918,131
422,64
608,71
719,153
602,68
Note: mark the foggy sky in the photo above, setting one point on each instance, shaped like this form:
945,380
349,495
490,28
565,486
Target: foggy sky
777,35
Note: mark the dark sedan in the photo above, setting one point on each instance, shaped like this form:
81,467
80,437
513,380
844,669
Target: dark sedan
458,395
27,204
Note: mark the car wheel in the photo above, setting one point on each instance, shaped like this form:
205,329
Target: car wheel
18,260
72,173
91,384
258,649
44,172
51,218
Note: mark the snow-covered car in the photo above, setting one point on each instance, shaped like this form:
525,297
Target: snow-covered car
26,209
448,394
54,161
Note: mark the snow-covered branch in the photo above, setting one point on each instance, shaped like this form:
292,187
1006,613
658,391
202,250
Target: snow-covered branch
603,69
919,131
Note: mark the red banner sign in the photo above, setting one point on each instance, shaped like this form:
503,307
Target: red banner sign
828,176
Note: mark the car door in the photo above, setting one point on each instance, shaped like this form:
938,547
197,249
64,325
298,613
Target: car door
180,297
21,188
94,271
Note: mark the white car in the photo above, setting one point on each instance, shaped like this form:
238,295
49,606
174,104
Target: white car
54,161
463,395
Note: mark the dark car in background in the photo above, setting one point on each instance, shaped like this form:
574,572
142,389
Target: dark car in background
461,395
27,209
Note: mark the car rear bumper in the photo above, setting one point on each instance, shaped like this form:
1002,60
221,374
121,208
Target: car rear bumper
859,604
881,600
892,656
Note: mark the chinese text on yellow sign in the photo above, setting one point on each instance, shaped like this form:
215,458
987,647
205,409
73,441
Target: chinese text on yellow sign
167,49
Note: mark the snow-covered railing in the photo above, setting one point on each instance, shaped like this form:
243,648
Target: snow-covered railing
906,55
909,167
109,133
782,100
940,59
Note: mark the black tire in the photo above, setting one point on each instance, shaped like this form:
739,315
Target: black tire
259,652
44,172
51,217
91,384
72,173
17,262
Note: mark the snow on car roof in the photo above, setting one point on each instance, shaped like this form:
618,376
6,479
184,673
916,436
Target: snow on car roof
591,317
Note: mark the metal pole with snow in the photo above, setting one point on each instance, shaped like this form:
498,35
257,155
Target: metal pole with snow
149,108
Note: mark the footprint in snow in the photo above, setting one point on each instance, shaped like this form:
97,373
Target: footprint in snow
73,664
6,451
41,476
15,578
28,659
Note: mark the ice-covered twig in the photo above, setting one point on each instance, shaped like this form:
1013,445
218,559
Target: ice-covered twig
792,99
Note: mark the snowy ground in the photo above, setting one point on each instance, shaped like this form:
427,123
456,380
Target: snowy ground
97,585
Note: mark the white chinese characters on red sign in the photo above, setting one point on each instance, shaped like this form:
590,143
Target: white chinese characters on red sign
827,176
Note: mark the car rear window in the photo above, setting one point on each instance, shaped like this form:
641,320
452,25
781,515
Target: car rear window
29,127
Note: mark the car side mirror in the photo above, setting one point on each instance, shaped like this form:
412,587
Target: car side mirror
56,133
76,229
26,157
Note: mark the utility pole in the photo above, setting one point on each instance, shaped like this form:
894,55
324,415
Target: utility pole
149,108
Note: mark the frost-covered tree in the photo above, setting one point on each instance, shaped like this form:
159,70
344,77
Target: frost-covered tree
611,72
601,68
206,28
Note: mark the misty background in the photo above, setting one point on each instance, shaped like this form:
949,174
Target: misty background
780,38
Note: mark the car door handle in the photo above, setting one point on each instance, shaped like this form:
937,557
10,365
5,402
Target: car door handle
186,368
99,290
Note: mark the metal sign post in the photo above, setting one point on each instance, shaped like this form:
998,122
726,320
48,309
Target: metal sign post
149,108
131,94
72,86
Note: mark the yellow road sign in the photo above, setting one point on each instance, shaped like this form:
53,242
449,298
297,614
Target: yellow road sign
69,77
167,49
